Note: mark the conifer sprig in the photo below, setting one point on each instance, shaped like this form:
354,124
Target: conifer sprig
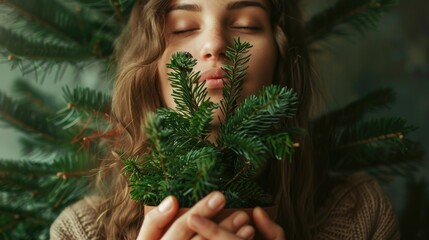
24,117
188,92
181,161
83,103
31,95
235,73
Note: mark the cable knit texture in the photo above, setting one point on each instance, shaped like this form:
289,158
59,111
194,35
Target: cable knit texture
76,222
356,209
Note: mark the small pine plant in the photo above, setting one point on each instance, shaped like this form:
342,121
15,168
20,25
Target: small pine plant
181,161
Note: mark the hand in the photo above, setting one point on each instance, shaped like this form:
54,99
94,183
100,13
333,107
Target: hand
233,227
196,220
269,229
157,220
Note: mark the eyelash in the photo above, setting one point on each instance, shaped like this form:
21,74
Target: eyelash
247,28
250,28
184,31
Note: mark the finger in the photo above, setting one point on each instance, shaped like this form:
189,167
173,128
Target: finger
206,207
208,229
269,229
246,232
235,221
155,221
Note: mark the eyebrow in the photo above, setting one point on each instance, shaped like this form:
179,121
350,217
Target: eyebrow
186,7
231,6
243,4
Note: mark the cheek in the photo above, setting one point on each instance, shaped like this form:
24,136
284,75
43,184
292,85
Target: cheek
261,67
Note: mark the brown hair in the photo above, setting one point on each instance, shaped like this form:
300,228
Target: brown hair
137,92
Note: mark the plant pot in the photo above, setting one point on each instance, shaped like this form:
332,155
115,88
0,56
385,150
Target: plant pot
271,211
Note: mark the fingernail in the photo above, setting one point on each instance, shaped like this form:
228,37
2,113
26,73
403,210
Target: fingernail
197,222
247,232
165,205
216,200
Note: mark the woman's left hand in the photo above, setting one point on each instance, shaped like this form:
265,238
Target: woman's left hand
267,228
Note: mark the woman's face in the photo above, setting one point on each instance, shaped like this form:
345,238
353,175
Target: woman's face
205,28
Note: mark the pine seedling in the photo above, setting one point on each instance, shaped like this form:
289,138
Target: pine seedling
183,162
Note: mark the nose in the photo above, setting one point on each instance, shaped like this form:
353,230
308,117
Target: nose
215,42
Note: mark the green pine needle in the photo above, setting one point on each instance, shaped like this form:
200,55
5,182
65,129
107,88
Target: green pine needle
31,95
258,114
27,119
238,56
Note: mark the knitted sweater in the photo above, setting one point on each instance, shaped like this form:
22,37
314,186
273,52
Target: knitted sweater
357,209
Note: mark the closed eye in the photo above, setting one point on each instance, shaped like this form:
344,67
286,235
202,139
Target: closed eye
247,28
178,32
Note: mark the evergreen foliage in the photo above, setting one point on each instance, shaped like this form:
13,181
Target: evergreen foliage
248,138
62,148
45,35
348,142
63,144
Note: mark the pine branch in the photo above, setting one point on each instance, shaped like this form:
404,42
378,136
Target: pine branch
188,93
40,67
75,164
40,49
200,123
375,144
55,17
25,167
31,95
375,159
258,114
84,102
374,131
16,216
197,177
177,122
238,56
358,14
250,147
354,111
281,145
26,119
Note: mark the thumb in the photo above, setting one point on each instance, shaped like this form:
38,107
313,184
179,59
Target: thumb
155,221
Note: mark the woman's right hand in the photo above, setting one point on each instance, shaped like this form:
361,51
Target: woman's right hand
194,221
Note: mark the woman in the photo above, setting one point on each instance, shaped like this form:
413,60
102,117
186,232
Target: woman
356,207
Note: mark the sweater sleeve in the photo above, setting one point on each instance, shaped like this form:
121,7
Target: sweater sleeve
78,221
358,209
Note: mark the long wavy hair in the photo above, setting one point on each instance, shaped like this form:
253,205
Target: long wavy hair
137,92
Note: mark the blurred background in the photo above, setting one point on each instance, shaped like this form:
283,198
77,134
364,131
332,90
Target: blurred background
394,55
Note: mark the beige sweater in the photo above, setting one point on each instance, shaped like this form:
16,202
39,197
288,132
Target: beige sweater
356,210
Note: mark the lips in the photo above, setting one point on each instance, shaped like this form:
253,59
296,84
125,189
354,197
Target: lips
214,78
